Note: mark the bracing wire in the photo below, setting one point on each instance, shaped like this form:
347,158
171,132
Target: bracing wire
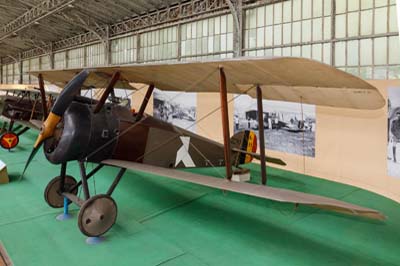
170,139
139,122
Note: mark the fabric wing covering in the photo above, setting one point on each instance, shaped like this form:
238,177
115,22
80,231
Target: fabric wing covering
281,78
25,88
276,194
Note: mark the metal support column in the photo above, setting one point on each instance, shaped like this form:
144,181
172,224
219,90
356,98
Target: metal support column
107,47
225,123
260,113
236,8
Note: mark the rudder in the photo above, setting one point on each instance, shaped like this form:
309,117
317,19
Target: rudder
245,141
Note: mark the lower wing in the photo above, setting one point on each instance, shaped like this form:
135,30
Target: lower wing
277,194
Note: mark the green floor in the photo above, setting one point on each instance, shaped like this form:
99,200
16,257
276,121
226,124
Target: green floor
166,222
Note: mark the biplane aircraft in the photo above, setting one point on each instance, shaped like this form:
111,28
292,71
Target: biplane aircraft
110,135
23,105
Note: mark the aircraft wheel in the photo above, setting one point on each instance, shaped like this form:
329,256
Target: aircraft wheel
9,140
52,193
97,215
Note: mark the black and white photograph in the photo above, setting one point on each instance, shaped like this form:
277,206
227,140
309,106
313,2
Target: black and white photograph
393,132
178,108
288,127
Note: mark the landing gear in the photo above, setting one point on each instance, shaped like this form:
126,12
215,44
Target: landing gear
97,215
52,194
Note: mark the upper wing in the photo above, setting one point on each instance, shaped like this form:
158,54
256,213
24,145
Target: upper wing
277,194
25,87
281,78
37,124
17,87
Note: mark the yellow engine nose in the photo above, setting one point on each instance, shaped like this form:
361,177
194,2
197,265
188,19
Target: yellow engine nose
47,129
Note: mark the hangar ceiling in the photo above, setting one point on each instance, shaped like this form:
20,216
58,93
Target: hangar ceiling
62,19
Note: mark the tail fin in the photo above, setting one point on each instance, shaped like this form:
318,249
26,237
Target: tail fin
244,141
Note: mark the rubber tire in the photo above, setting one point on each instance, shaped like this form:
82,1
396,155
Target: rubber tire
87,204
58,201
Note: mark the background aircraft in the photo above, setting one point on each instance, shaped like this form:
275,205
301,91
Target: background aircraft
21,107
108,134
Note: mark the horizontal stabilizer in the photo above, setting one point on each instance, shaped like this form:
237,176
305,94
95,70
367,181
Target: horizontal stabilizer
267,158
277,194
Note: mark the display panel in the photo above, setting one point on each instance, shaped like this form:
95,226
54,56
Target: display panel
289,127
177,108
393,133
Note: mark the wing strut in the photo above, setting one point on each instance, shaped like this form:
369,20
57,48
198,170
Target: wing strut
144,103
43,96
104,96
225,123
261,135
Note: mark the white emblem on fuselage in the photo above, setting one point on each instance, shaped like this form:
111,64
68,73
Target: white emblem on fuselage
182,155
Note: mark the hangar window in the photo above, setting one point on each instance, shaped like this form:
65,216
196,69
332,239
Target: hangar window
34,65
25,70
16,75
211,37
76,58
364,41
159,45
45,62
281,25
60,61
3,74
124,50
94,55
9,73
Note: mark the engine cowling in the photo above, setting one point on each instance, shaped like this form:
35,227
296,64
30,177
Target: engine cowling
83,135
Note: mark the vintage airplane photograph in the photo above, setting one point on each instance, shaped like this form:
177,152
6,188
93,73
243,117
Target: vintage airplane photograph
288,127
22,107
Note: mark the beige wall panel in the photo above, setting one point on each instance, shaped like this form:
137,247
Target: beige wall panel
211,126
137,99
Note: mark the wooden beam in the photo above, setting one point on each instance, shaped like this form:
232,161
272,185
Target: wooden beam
107,92
144,103
43,96
260,113
225,123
